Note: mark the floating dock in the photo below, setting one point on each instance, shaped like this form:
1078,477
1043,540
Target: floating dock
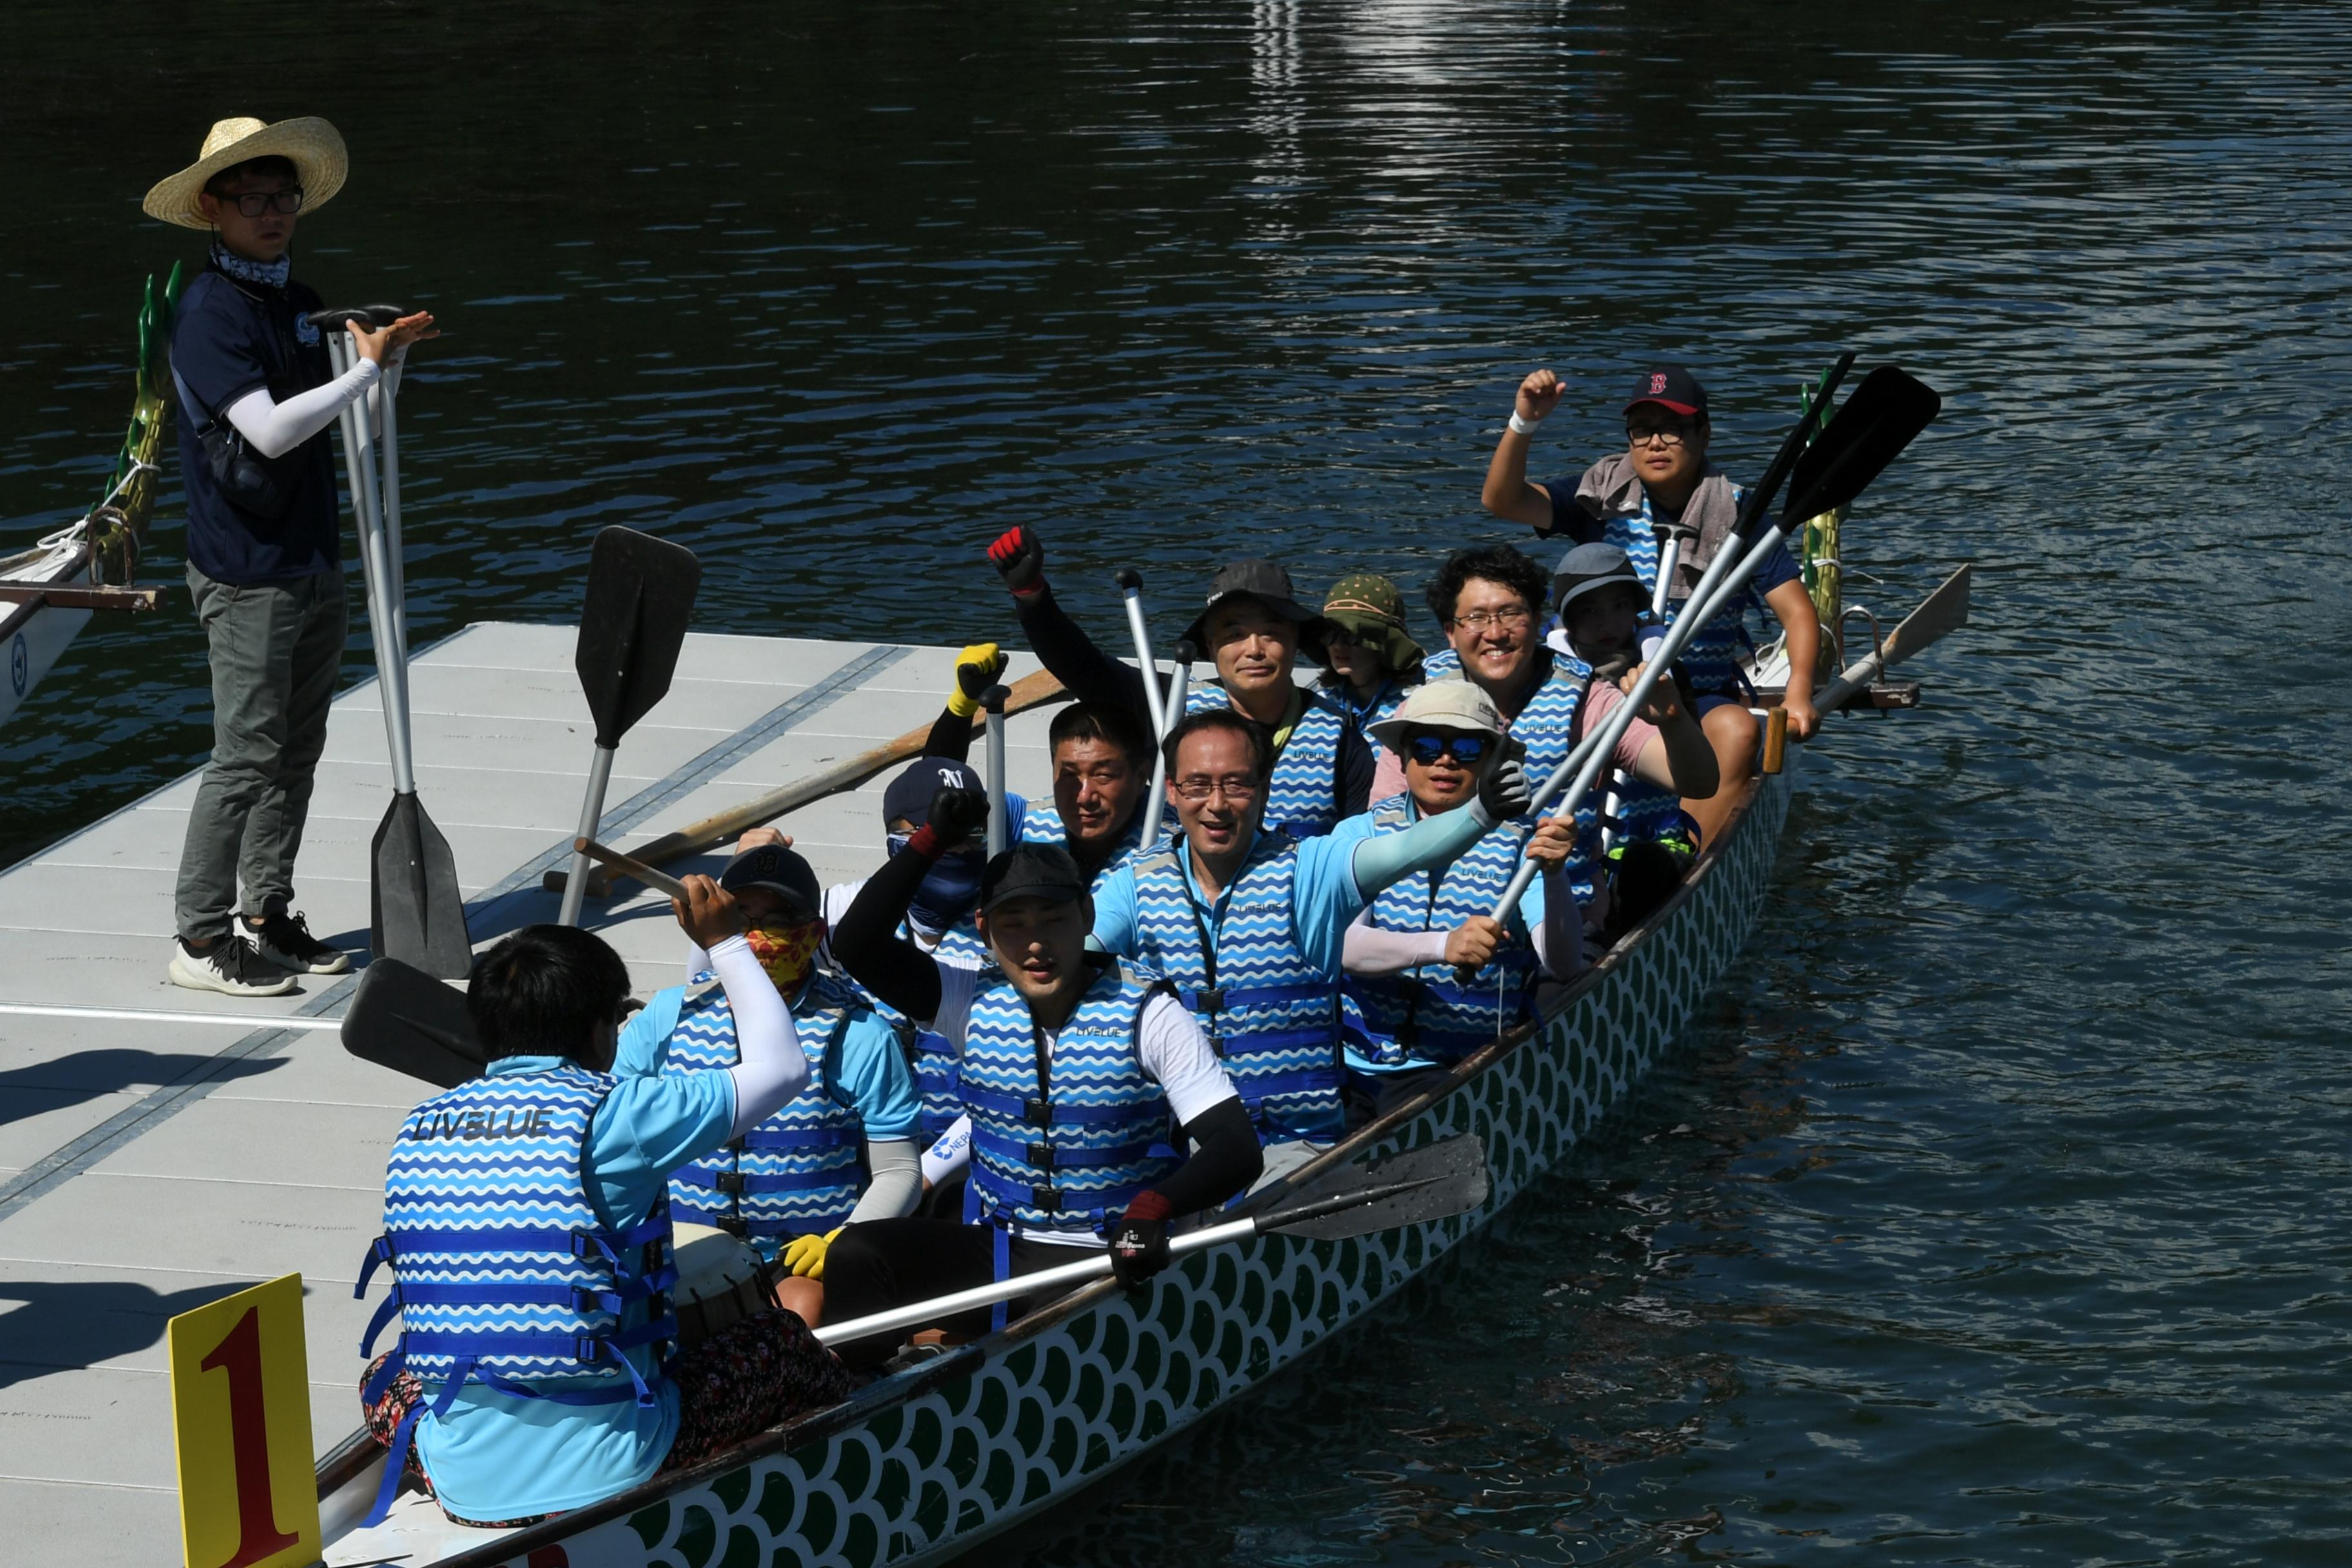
147,1167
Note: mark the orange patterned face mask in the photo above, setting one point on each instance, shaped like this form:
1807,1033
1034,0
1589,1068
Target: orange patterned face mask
787,952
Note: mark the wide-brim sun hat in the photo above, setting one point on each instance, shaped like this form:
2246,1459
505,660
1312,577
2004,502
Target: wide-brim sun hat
315,148
1372,608
1266,582
1450,704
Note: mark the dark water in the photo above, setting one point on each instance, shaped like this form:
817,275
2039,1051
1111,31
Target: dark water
1984,1220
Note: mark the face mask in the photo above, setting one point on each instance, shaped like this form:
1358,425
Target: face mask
787,952
948,892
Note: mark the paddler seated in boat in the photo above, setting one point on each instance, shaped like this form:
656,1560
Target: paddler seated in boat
509,1402
842,1150
1663,485
1249,924
1371,657
1102,774
1083,1079
1409,1014
1254,627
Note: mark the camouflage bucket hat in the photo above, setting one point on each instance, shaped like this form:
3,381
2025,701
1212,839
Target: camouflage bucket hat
1370,608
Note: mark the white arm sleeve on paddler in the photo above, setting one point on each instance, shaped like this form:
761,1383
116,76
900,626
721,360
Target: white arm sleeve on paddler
897,1184
1369,949
771,1069
273,428
950,1154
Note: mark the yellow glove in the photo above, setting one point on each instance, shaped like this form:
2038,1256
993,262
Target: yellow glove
976,671
805,1255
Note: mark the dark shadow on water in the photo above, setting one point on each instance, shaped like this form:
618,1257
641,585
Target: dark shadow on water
86,1074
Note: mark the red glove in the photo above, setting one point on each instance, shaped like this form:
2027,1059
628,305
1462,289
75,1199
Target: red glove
1019,557
1139,1243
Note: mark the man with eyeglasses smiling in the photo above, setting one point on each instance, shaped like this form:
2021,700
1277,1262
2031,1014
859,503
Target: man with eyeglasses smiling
1662,485
265,561
1249,923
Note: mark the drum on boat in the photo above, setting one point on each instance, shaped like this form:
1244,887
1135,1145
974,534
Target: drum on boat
721,1281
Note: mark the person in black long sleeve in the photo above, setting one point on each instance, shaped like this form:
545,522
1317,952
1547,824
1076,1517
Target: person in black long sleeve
1255,628
1074,1072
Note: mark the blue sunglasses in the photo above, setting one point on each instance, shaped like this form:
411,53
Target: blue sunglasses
1466,750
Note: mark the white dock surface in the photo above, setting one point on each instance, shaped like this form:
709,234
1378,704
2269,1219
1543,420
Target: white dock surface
147,1168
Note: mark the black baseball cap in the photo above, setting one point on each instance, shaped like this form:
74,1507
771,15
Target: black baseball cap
781,871
1266,582
1032,871
1670,386
909,795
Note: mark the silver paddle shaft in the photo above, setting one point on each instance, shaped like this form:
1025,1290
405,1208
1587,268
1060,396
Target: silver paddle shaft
1723,578
359,465
1149,666
999,830
1670,549
1155,803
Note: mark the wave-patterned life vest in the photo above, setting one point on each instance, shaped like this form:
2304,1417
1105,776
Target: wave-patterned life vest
1423,1016
1712,662
802,1170
1062,1144
1383,704
927,1051
502,1272
1302,799
1269,1014
1644,811
1042,824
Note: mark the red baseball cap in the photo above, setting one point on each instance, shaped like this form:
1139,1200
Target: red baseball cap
1670,386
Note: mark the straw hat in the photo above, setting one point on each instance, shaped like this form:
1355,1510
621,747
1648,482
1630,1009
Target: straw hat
315,147
1449,704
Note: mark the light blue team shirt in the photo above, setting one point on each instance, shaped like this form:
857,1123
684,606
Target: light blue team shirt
1324,897
867,1071
495,1457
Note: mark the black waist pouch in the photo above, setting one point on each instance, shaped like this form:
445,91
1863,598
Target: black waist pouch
262,487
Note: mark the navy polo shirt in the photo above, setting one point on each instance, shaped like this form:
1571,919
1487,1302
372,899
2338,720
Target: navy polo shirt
1571,521
231,339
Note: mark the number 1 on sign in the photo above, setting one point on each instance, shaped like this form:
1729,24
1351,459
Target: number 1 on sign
241,1424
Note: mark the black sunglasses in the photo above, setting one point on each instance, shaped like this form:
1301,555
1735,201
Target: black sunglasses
1466,750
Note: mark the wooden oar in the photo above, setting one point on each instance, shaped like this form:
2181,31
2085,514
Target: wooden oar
1943,611
629,866
1030,692
1432,1182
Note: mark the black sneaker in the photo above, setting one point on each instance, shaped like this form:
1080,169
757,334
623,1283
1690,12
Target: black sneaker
285,940
230,965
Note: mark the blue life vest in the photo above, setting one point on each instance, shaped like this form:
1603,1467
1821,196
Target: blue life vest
1042,824
501,1269
1302,799
1712,663
800,1172
1423,1016
928,1050
1362,716
1269,1014
1065,1144
1644,811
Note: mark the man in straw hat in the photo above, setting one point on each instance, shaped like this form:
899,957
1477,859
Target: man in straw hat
264,562
1254,627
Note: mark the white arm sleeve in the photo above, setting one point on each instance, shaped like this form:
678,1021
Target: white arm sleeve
950,1154
771,1069
1368,949
1176,1056
897,1184
273,428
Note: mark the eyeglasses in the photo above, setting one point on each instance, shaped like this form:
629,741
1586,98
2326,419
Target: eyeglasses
1663,434
1234,786
1506,620
1338,637
253,204
1466,750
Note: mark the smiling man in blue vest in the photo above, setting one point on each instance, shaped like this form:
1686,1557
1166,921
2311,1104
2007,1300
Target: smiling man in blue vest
265,561
1083,1082
509,1401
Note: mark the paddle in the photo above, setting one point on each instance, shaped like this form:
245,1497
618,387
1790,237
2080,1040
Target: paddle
1000,831
1866,433
640,597
1432,1182
628,866
1943,611
1028,692
1155,803
1131,587
417,910
403,1019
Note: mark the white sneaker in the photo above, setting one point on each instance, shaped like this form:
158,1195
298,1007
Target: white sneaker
229,965
285,940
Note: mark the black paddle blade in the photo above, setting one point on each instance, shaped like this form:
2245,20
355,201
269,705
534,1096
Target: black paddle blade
403,1019
1863,436
1792,445
1429,1183
640,597
418,914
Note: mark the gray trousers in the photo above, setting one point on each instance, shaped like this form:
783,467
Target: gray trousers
276,649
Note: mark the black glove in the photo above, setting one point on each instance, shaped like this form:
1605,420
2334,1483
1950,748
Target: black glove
1019,556
1503,793
956,814
1138,1245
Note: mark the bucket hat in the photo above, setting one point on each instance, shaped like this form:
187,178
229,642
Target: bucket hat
1588,569
1371,607
315,147
1267,582
1450,704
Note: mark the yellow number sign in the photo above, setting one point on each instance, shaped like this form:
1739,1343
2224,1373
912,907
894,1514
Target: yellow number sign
241,1424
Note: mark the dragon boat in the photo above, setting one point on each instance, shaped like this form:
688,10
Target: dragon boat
928,1462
